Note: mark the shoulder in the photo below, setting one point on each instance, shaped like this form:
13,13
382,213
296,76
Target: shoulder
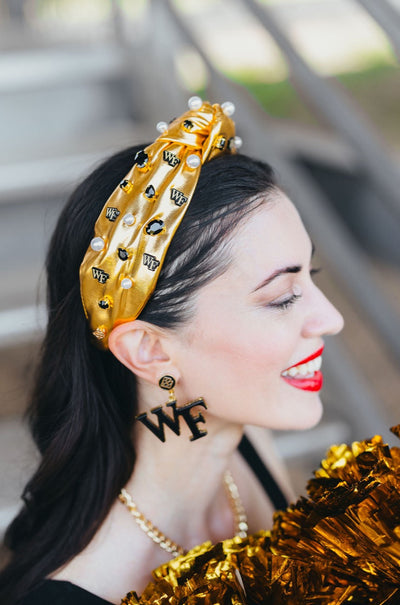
62,593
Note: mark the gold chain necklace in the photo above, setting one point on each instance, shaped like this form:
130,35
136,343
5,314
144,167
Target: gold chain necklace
239,516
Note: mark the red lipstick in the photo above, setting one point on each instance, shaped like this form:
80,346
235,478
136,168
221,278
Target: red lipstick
310,358
306,383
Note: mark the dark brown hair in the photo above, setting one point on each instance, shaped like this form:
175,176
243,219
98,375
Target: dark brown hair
84,401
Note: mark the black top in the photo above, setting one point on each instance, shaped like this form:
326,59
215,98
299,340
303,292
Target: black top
59,592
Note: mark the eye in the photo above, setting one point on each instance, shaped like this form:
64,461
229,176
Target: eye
285,304
315,270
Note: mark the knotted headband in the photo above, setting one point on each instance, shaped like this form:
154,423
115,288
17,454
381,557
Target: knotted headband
136,225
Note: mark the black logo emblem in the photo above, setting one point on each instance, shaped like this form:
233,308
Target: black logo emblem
126,186
141,158
112,213
100,275
150,261
188,125
122,254
167,382
173,422
220,144
154,227
170,158
150,192
178,197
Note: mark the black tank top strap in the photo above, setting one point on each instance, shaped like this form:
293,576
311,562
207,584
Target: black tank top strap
264,476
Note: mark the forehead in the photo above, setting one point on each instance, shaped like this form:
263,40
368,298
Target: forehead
272,236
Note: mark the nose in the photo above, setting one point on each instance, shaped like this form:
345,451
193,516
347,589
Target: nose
322,317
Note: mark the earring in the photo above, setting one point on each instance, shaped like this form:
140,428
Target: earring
167,383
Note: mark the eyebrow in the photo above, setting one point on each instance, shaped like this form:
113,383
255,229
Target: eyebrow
283,271
278,273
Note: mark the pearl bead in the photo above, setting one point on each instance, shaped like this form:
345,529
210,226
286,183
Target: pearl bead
97,244
228,108
237,141
128,219
193,160
162,127
126,283
195,102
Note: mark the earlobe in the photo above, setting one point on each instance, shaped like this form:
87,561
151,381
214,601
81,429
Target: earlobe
140,347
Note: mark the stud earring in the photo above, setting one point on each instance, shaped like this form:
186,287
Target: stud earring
168,383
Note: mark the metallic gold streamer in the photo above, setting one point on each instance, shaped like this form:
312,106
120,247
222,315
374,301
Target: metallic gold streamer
340,545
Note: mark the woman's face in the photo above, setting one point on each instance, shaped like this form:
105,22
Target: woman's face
263,316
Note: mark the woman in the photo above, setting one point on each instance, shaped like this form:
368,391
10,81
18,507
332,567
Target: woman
210,298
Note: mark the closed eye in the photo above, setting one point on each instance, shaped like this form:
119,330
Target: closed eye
285,304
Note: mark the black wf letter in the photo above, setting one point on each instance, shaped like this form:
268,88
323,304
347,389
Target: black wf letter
173,422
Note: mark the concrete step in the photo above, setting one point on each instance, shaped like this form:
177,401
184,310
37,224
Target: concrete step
54,95
59,163
32,193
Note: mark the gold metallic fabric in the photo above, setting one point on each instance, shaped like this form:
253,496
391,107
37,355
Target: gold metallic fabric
339,545
155,195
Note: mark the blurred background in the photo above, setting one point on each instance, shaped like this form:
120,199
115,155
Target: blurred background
316,86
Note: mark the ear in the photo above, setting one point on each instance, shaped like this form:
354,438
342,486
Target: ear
143,349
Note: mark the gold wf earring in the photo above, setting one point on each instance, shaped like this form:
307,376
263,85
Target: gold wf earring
168,383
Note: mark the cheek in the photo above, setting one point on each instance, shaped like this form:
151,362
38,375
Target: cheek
246,345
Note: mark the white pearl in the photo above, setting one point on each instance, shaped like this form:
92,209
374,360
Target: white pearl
237,141
228,108
162,127
195,102
193,160
126,283
128,219
97,244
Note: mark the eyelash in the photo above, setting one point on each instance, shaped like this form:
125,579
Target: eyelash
285,304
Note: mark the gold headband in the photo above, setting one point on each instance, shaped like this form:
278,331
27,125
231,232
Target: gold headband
136,225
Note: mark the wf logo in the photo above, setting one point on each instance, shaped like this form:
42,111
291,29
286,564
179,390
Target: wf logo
112,213
150,261
170,158
100,275
172,422
178,197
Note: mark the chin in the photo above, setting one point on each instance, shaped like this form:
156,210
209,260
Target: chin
299,414
309,415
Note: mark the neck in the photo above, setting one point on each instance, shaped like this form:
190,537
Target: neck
178,485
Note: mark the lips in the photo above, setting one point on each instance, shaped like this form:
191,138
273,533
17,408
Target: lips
306,373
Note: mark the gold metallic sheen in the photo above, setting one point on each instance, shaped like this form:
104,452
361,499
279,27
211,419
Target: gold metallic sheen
165,170
340,545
